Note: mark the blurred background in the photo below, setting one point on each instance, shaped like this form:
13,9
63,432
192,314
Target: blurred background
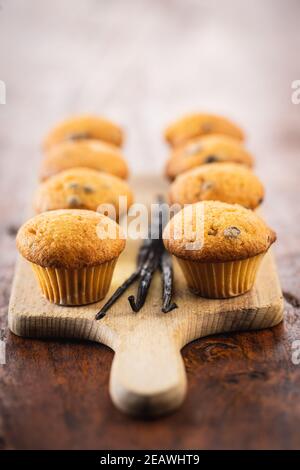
143,63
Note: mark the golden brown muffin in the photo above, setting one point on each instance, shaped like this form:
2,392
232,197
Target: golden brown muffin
84,127
196,125
204,150
226,182
219,247
82,188
73,254
84,153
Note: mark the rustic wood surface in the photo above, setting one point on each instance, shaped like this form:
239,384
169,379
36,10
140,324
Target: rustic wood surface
142,64
147,375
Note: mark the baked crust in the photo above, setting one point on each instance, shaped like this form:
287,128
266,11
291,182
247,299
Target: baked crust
70,239
206,150
226,182
84,153
231,232
195,125
85,126
81,188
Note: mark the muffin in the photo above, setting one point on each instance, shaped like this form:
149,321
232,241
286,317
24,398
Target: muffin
226,182
88,153
73,254
219,247
196,125
82,188
84,127
206,150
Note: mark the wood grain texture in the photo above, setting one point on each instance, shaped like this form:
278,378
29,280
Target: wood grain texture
165,59
148,376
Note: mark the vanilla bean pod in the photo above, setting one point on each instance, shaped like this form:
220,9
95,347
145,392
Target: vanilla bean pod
142,256
151,256
117,294
144,251
146,276
167,278
151,264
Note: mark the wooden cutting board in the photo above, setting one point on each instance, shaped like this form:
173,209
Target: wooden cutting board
148,376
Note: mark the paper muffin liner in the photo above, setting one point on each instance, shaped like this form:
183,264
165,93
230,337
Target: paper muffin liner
75,286
221,280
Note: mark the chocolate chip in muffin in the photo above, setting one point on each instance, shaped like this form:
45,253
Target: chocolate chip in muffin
206,185
74,201
207,127
88,189
211,159
78,136
231,232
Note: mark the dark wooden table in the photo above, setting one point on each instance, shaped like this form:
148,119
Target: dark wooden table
143,63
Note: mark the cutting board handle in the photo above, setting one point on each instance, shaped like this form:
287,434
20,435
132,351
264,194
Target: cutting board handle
148,376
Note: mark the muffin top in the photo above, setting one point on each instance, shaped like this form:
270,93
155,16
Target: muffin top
206,150
84,127
213,231
195,125
84,153
70,239
226,182
81,188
